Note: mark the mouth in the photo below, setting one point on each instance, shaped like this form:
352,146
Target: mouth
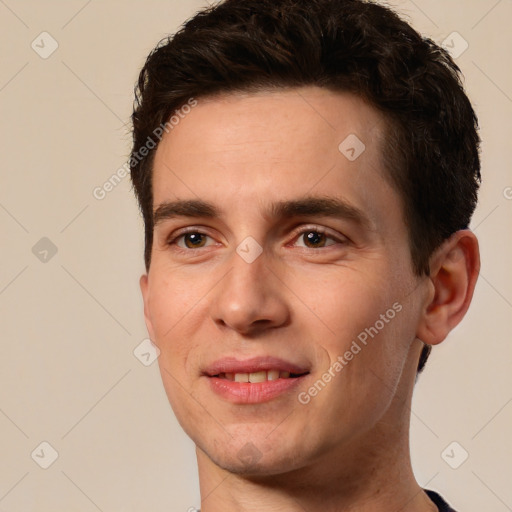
254,381
260,376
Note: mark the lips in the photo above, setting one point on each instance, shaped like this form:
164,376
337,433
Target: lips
229,368
255,380
254,377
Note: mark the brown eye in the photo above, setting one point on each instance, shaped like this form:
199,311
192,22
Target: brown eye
314,239
191,240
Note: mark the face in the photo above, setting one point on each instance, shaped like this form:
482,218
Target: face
281,292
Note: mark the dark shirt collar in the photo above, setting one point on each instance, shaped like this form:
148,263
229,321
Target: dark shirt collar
439,501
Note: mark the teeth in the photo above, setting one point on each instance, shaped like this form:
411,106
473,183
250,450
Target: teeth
254,377
258,377
273,375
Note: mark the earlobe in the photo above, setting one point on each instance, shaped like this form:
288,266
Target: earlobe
454,269
144,288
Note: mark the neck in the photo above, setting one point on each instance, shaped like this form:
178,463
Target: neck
362,480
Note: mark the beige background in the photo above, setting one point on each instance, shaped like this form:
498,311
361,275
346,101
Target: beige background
70,324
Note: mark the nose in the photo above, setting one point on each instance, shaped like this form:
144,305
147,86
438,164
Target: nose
251,298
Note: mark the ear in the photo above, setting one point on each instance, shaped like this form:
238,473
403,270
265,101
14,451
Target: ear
144,288
454,269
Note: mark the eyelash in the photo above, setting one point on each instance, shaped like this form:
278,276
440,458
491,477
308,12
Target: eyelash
297,235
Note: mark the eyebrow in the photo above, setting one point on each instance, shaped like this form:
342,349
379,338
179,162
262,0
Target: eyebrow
304,207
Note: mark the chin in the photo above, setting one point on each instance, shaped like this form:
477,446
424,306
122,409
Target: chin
251,456
269,465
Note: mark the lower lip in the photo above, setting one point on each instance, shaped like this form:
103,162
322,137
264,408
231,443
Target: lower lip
259,392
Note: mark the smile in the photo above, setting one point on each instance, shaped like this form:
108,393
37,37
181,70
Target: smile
255,380
255,377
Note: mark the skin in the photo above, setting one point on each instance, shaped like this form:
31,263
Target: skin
348,448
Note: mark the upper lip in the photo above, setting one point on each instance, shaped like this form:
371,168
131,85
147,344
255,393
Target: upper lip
255,364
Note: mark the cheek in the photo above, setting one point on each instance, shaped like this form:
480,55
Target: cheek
172,296
370,333
349,304
175,306
363,390
172,303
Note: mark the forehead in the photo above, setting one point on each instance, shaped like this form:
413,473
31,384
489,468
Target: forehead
250,149
301,118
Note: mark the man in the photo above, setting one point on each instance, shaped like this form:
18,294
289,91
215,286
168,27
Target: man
307,171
